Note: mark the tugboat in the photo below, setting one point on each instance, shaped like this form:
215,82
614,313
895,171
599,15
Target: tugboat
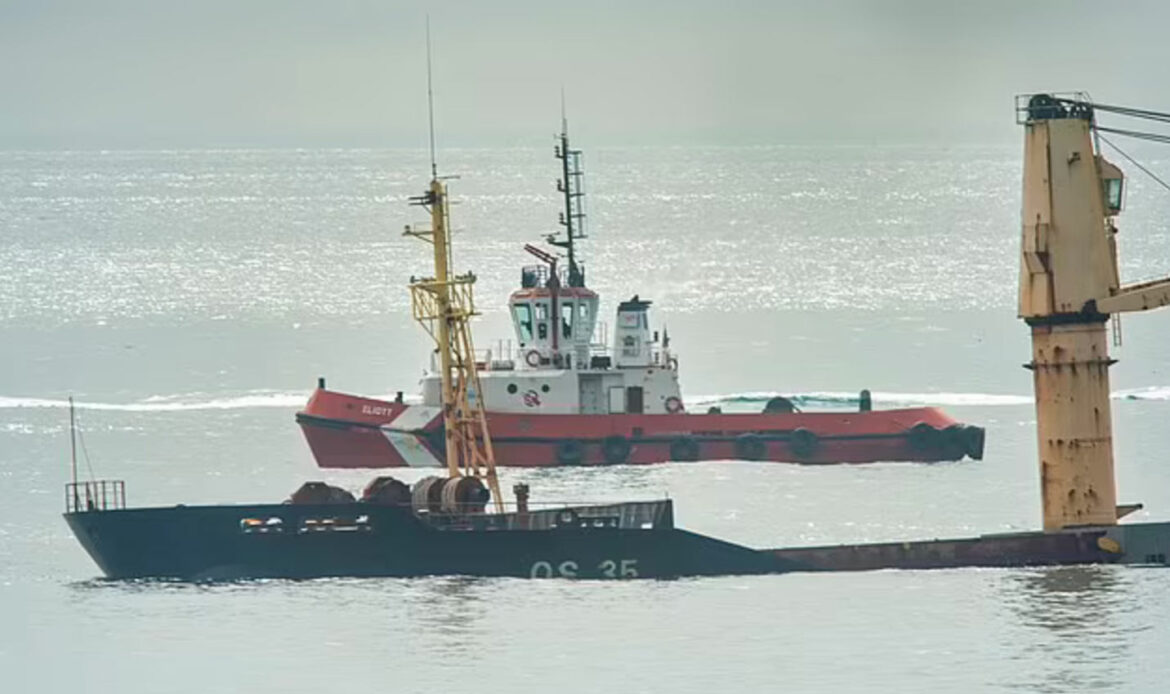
560,398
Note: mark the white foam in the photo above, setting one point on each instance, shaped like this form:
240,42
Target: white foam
171,403
292,399
1147,393
883,398
911,399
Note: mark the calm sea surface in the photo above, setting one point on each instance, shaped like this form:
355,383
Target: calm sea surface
189,300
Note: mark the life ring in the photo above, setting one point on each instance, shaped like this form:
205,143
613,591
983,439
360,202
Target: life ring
673,404
616,449
672,363
532,358
684,449
923,437
750,447
803,442
567,518
570,452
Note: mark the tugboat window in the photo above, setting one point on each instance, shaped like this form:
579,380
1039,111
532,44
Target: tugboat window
542,321
523,316
512,388
567,319
629,346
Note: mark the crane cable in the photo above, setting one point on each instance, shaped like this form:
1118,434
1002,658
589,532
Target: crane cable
1129,112
1133,161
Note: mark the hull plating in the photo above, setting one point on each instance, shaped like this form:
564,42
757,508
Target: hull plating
236,542
345,431
232,542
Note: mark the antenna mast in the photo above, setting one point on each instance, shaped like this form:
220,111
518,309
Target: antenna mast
572,186
431,103
444,305
73,453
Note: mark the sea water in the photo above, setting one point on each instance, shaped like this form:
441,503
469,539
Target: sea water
189,300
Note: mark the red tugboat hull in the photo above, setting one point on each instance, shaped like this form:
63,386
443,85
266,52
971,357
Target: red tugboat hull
347,431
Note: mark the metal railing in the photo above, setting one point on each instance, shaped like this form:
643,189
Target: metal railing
95,495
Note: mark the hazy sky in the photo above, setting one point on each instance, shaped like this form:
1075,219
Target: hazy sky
121,73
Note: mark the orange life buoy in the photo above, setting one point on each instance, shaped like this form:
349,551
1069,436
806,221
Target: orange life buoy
674,405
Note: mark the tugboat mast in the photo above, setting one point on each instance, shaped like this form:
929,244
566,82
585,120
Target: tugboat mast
571,186
444,304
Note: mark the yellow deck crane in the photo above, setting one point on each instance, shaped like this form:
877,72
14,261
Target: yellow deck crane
1069,288
444,304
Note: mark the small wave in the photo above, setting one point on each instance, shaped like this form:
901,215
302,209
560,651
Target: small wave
837,399
171,403
266,398
840,399
1148,393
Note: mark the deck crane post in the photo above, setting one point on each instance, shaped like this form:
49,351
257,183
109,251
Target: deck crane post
1069,288
445,304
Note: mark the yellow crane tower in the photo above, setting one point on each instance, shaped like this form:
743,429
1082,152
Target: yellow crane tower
444,304
1069,288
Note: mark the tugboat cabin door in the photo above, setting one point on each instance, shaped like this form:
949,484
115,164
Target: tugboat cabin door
617,400
626,400
634,400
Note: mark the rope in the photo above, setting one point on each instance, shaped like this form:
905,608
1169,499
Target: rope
1128,112
1136,134
1120,110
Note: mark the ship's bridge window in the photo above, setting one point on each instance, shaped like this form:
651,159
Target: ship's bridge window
583,313
522,315
542,321
567,319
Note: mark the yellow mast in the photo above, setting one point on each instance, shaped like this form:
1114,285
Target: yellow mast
444,305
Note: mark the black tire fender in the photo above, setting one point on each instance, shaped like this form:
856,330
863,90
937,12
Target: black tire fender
803,442
616,449
974,438
684,449
570,452
923,437
750,447
954,441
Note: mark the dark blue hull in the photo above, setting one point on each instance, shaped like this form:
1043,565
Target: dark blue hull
307,541
618,541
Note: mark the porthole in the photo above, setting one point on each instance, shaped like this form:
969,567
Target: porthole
544,388
512,388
